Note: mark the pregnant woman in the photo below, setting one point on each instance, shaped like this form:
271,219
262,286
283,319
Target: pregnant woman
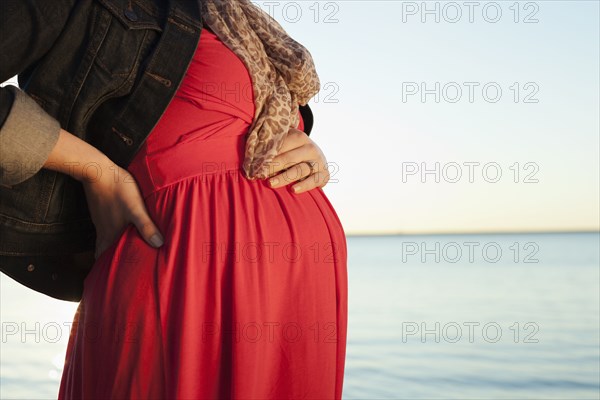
247,295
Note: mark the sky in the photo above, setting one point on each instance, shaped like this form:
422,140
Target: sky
444,117
450,117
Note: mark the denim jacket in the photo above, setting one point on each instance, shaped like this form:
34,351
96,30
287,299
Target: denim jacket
105,71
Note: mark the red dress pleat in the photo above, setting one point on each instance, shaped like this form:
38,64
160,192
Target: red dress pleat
247,298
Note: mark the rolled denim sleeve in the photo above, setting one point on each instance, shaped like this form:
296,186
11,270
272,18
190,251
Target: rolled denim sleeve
27,136
28,30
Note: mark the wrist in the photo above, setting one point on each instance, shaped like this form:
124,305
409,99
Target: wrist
96,170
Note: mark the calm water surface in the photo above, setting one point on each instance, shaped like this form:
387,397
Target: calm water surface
430,317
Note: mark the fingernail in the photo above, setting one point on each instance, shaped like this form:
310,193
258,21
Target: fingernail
296,188
156,240
274,181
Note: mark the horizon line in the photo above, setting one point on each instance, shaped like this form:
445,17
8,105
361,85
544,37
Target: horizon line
434,233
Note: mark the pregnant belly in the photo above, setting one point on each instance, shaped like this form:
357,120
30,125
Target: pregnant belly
203,175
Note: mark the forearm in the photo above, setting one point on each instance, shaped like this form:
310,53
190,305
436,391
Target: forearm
79,159
31,139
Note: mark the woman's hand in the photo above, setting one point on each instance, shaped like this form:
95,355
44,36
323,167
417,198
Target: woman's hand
113,197
114,200
300,160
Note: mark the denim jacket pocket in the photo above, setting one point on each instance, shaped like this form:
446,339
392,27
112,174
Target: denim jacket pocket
129,31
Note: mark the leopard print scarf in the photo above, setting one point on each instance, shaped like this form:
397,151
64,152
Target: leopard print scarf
282,71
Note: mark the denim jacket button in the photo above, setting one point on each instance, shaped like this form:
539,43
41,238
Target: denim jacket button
30,267
131,15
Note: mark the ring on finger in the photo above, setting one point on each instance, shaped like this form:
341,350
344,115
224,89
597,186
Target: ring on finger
311,165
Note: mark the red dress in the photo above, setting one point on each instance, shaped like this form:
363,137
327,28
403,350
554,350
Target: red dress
247,298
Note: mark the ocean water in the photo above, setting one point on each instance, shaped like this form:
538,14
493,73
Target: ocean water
508,316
